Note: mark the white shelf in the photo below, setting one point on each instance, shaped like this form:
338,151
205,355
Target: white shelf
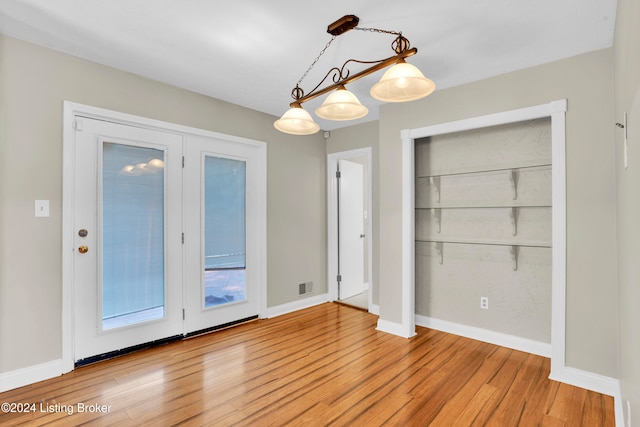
494,188
528,243
465,204
530,166
513,247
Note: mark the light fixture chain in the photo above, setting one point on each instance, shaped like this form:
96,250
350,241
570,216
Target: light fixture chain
316,60
377,30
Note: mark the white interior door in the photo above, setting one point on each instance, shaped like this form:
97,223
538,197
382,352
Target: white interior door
127,219
350,229
225,210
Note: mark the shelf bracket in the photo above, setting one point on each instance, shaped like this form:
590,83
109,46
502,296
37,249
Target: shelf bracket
438,247
513,251
513,216
436,213
513,180
435,184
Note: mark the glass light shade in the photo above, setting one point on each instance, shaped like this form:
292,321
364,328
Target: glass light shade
402,82
296,121
341,105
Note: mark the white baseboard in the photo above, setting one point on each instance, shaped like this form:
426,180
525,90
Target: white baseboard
485,335
29,375
290,307
394,328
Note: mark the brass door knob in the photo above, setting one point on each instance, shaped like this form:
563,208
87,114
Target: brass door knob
83,249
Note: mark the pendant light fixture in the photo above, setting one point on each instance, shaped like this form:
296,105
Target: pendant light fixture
401,83
297,121
341,105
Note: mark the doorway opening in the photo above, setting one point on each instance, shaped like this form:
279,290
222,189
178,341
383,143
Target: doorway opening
350,239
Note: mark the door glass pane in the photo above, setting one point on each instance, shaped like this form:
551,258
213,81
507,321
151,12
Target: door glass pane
224,228
132,235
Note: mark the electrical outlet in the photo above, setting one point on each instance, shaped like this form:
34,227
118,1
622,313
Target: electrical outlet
484,303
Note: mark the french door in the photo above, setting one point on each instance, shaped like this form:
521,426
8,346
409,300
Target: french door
167,241
128,225
224,255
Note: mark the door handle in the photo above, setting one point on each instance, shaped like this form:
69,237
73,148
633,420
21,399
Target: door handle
83,249
362,236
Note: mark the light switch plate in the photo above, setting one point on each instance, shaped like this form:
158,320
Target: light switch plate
42,208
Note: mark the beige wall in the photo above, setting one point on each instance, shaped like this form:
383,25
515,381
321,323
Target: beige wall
34,82
627,94
587,82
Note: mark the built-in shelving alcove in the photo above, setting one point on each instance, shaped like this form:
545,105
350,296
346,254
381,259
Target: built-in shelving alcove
483,216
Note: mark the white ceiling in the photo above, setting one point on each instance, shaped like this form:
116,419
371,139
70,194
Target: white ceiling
252,52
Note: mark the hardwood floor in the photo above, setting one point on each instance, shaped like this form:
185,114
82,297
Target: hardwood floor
326,365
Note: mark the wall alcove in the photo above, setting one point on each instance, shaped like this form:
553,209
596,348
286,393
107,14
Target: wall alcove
431,215
483,228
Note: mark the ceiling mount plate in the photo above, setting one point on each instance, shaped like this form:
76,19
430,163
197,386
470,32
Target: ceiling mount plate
342,25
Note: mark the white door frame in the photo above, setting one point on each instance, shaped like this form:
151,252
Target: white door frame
71,110
556,111
332,220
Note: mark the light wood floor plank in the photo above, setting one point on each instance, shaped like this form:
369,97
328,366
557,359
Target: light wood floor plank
325,365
